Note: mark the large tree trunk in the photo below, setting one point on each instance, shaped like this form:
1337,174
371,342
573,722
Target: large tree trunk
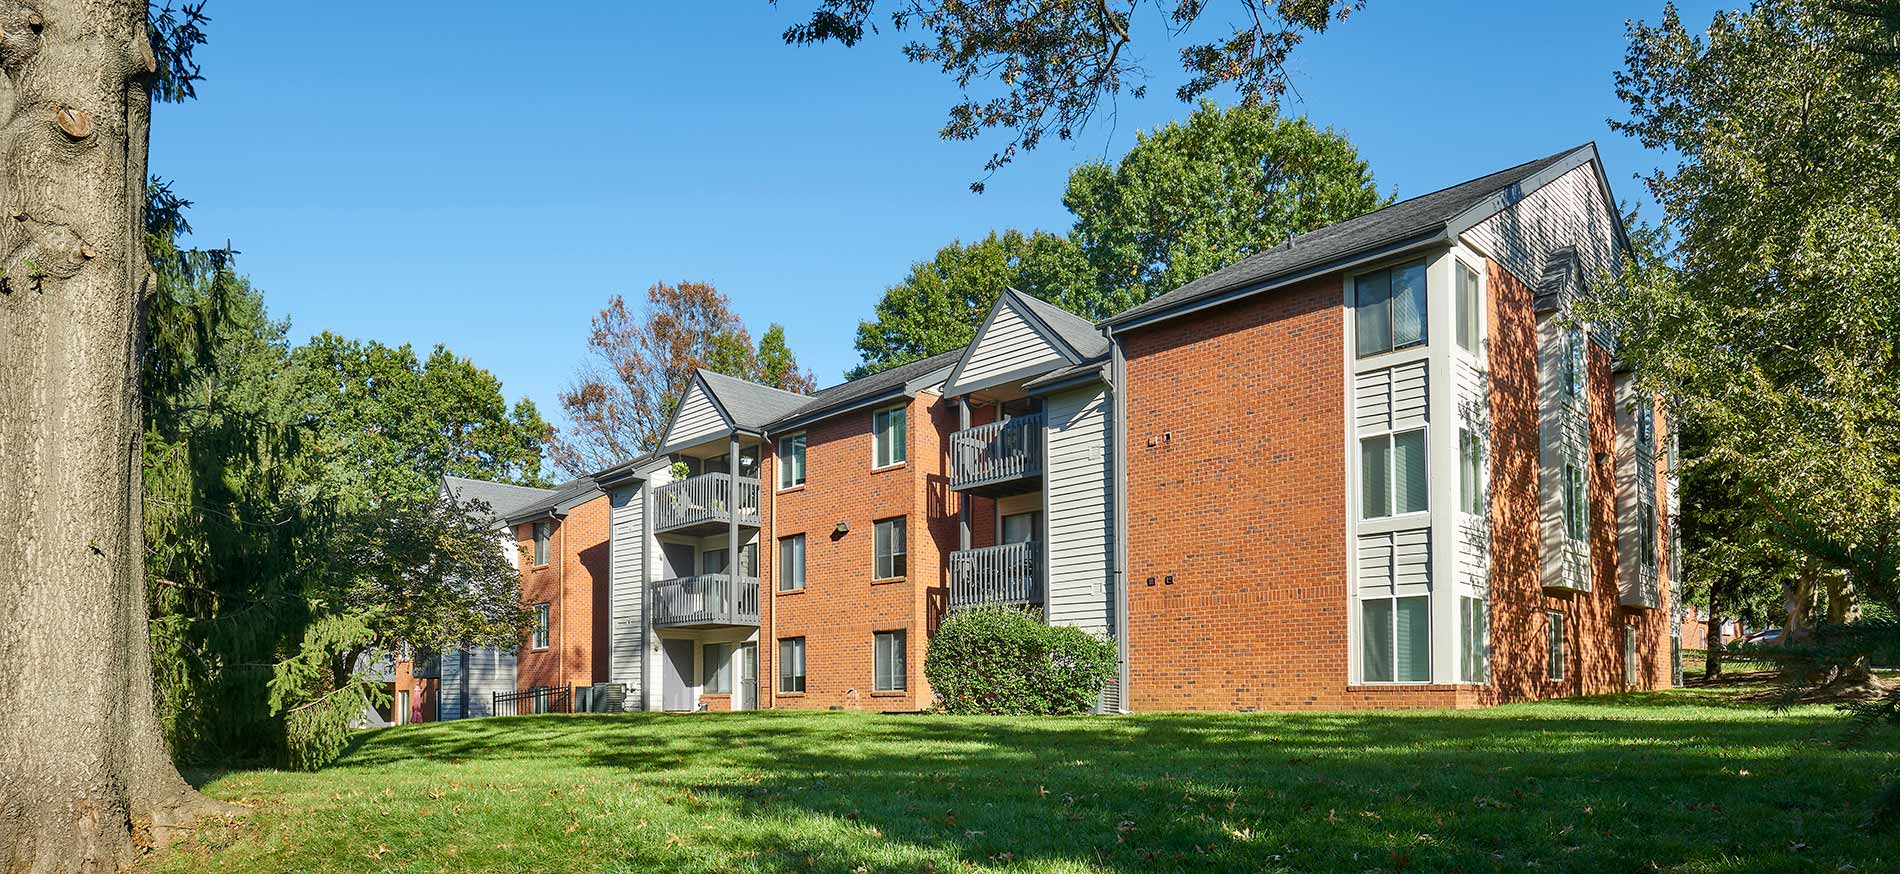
1712,665
87,777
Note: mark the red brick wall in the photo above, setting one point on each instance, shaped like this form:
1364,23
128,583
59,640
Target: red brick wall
1519,602
574,585
423,692
1236,488
840,607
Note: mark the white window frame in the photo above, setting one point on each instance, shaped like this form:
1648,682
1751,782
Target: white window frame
885,453
786,470
1576,367
878,561
1576,486
540,636
791,574
1392,481
796,661
1467,309
543,535
890,645
1394,600
1483,647
1425,319
1477,502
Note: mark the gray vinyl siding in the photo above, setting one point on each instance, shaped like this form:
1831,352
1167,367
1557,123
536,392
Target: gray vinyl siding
449,701
1078,510
1391,398
696,418
1563,437
1009,345
490,670
626,562
1570,211
1635,489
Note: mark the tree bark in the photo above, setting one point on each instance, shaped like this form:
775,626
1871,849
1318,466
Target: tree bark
1712,664
88,779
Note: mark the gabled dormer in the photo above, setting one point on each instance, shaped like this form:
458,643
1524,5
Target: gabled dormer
1023,338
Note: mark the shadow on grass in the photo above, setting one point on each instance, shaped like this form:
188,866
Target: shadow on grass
1692,779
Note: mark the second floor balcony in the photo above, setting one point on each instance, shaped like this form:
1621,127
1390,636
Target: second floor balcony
1007,575
706,601
1000,458
705,504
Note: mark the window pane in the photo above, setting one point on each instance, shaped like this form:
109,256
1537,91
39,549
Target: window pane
1375,471
791,665
1573,364
1648,535
791,469
1019,527
1469,331
881,546
1408,305
1375,634
1470,473
1409,472
897,441
1574,518
1414,640
889,670
1372,308
791,563
897,548
1476,631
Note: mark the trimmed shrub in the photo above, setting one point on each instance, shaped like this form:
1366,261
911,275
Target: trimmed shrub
1004,661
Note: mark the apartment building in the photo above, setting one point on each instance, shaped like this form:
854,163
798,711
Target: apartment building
1379,465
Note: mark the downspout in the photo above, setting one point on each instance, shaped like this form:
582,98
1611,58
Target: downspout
560,655
1118,462
768,595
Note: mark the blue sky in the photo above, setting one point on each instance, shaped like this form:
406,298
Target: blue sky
485,175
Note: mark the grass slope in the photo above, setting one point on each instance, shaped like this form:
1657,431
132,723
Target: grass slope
1690,781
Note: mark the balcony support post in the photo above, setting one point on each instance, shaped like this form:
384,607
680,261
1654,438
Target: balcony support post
963,501
732,507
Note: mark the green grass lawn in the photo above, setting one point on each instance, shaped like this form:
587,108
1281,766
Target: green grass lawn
1692,781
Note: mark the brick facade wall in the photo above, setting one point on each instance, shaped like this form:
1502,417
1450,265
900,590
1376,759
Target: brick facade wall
423,692
841,607
1237,489
574,585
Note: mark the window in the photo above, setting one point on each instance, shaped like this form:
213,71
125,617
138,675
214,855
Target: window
1470,327
1397,639
1556,645
887,429
1645,424
543,532
891,675
1474,617
889,545
717,667
1389,307
1470,472
1020,527
1648,535
1575,502
791,563
1629,655
1392,474
712,561
715,561
791,664
791,461
540,626
1574,373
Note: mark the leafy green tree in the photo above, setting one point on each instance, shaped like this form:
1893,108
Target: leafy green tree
776,366
1053,65
940,303
390,425
1772,320
1192,198
1187,200
1736,566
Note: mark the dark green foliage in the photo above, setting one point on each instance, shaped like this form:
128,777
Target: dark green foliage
286,488
1188,199
1003,661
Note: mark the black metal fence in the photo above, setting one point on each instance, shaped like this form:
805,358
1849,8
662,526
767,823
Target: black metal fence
540,699
598,698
